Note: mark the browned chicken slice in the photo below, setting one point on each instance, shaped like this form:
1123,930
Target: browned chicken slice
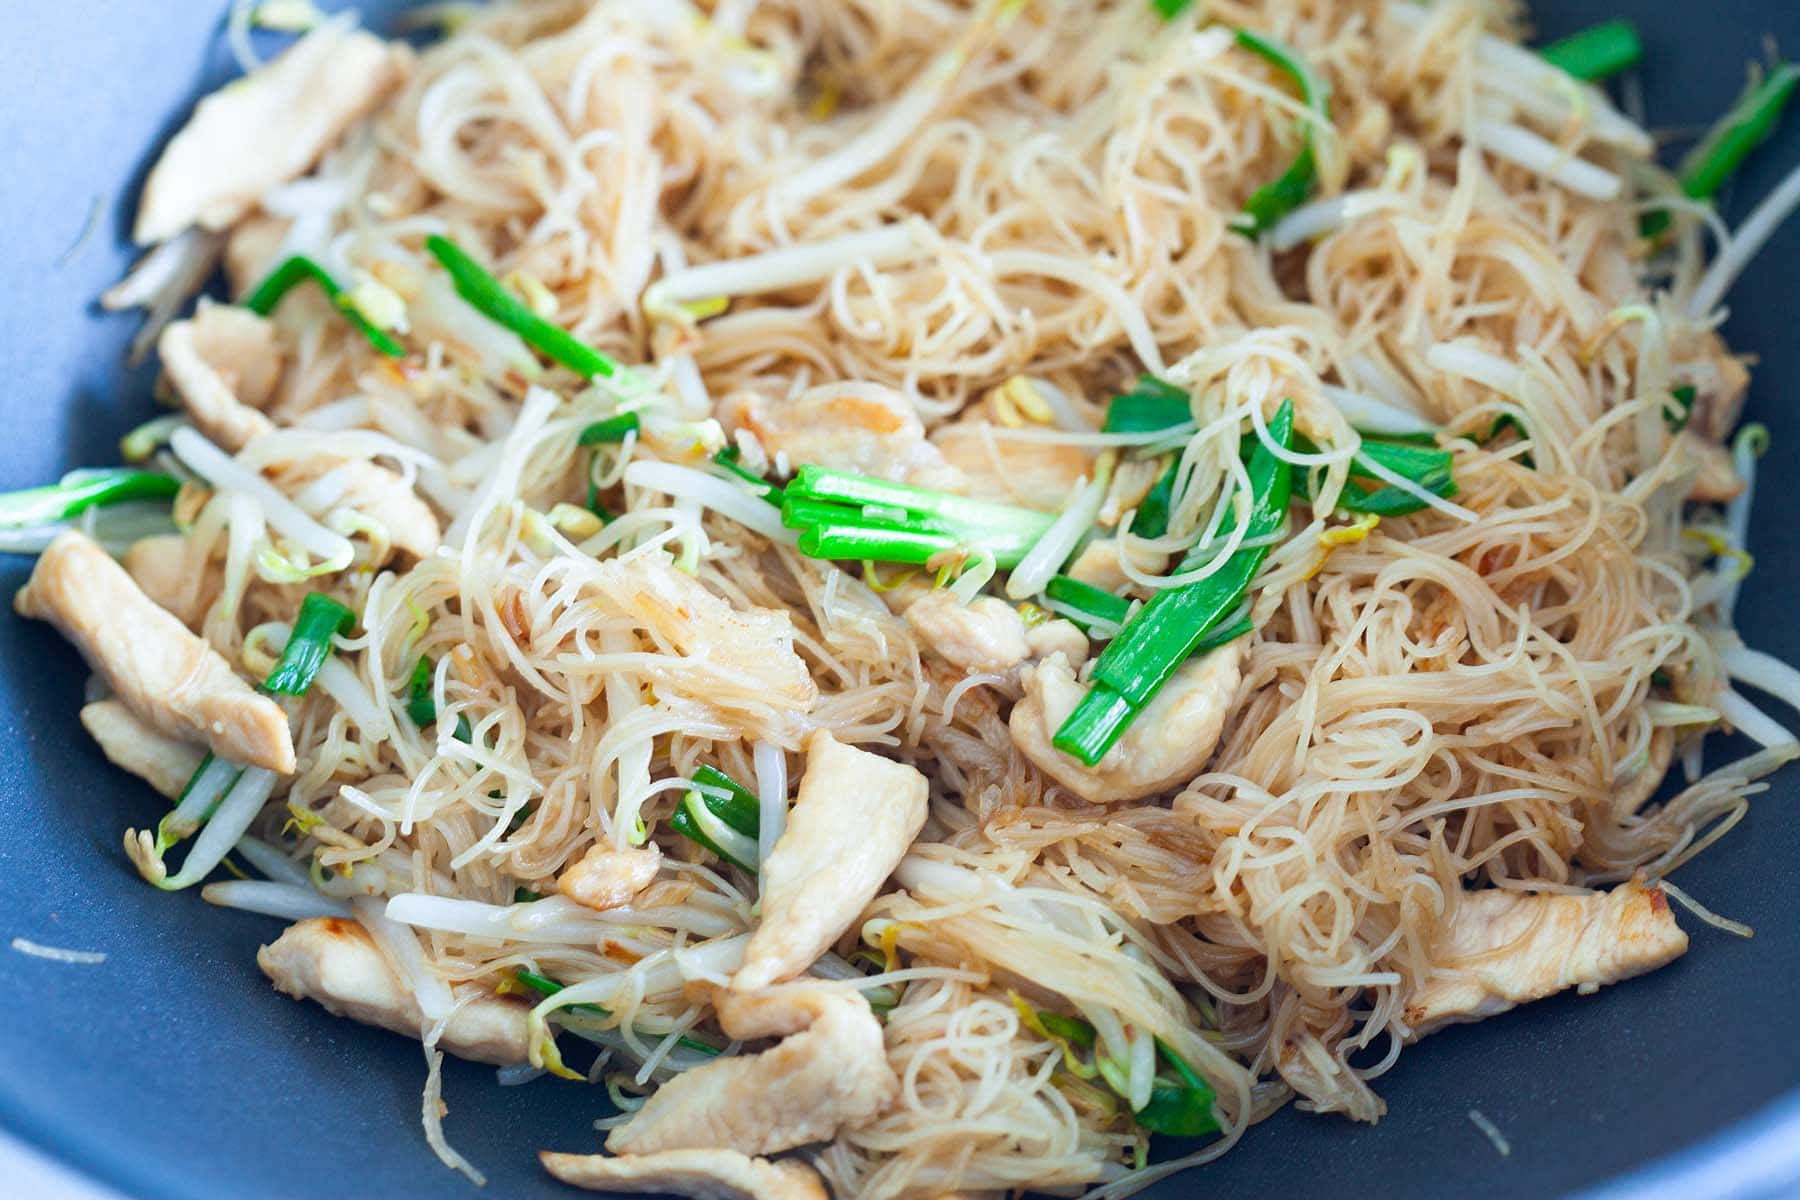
800,1090
266,129
1506,948
1099,565
1013,470
380,494
986,634
1715,480
751,647
224,363
332,960
701,1174
250,251
853,819
171,679
160,566
609,876
860,427
165,763
1166,746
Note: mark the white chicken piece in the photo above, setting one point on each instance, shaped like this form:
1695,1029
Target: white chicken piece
860,427
1506,948
173,681
267,129
1012,470
163,762
334,961
800,1090
250,250
714,651
987,634
853,819
1715,480
379,494
1098,565
224,363
159,565
609,876
1168,744
700,1174
1059,636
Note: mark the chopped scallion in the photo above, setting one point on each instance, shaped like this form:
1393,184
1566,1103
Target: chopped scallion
79,491
613,429
488,295
309,645
1598,52
1273,201
1171,626
299,269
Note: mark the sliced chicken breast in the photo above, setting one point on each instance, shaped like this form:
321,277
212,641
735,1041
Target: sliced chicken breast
172,680
801,1090
334,961
609,876
224,363
267,129
165,763
701,1174
853,819
1506,948
986,634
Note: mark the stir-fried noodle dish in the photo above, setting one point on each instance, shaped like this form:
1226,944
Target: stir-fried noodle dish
938,597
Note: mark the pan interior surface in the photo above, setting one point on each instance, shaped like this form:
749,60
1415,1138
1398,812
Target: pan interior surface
172,1070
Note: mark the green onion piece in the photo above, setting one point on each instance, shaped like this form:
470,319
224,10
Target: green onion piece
1742,129
1430,468
613,429
309,645
738,810
524,895
493,300
543,985
846,516
1273,201
1745,126
1168,10
299,269
1149,406
1181,1102
422,708
79,491
727,460
1596,53
1154,643
1099,606
1685,395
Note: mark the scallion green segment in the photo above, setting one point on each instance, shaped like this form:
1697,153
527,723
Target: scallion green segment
1273,201
1745,126
846,516
79,491
297,270
1684,396
611,430
1095,606
1151,405
543,985
738,810
1171,626
1428,467
493,300
1181,1102
727,460
309,645
1168,10
422,708
1596,53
